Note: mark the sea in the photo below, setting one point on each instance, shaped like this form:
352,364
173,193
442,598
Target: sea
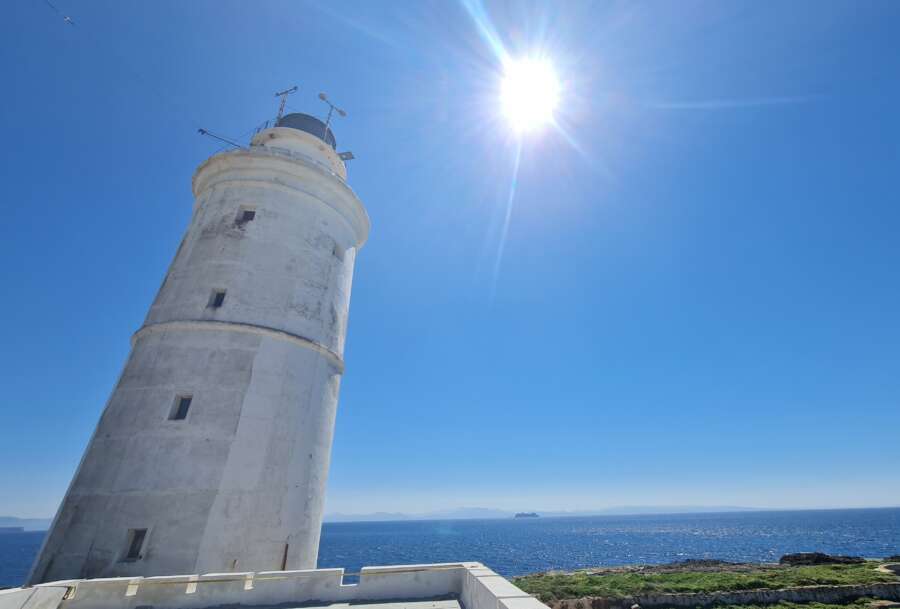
529,545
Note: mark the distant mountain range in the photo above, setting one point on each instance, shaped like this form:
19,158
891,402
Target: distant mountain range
468,513
29,524
455,514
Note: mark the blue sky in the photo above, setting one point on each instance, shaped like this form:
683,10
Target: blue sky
697,300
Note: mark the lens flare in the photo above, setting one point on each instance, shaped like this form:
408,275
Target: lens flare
529,93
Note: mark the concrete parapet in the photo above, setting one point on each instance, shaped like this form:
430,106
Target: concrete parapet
474,585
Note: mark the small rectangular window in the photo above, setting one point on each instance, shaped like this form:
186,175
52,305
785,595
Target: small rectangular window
245,214
217,299
180,408
136,539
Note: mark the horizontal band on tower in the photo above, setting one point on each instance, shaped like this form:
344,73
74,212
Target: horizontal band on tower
204,324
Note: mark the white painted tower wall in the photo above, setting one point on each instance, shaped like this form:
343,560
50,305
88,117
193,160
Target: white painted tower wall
239,484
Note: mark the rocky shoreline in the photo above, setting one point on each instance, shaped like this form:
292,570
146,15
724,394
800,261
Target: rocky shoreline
801,578
832,595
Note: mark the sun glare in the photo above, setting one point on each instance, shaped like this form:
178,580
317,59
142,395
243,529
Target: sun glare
529,93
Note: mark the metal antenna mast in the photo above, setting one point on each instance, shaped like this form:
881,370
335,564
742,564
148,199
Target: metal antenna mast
218,137
283,95
331,109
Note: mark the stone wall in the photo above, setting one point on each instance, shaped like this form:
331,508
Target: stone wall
808,594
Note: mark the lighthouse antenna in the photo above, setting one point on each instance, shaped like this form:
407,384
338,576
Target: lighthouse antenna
283,95
218,137
331,110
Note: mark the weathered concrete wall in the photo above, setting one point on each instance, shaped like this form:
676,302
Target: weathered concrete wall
476,586
239,484
43,597
806,594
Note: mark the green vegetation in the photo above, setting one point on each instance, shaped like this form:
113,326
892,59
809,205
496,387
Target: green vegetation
862,603
612,583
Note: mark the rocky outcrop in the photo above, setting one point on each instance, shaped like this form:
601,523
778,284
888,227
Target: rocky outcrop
818,558
806,594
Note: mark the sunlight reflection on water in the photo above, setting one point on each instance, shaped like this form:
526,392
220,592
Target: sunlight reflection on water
513,547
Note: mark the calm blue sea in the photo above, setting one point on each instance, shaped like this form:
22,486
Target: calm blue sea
513,547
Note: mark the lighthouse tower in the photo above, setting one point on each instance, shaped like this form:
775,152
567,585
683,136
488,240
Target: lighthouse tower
213,450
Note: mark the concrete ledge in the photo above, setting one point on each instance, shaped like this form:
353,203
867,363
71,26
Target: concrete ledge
474,585
45,597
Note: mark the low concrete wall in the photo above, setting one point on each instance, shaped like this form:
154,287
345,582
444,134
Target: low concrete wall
45,597
807,594
476,586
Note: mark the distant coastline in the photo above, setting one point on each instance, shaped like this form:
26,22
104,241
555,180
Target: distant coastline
25,524
470,513
479,513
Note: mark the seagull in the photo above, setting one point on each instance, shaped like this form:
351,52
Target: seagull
65,18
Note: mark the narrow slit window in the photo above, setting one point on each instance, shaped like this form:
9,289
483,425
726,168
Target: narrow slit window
136,539
217,299
246,215
181,407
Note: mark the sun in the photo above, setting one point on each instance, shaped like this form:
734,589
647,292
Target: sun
529,93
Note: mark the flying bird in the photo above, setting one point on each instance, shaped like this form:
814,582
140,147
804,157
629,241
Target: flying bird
65,18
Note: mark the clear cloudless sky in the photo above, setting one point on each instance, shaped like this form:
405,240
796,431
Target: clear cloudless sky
697,300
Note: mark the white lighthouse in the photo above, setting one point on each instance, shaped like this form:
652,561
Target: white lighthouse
213,450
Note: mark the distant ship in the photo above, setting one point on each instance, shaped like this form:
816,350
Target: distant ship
526,515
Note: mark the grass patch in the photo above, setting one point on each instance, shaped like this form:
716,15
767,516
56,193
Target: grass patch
551,587
862,603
